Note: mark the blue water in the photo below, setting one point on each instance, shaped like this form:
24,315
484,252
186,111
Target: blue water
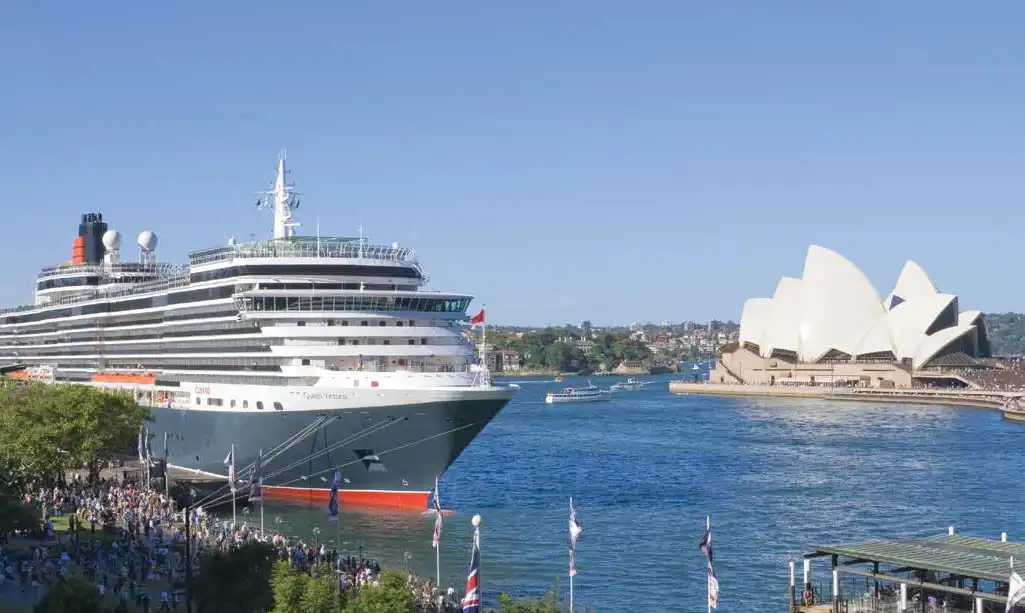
646,468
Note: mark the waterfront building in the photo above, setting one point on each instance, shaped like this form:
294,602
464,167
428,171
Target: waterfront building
831,327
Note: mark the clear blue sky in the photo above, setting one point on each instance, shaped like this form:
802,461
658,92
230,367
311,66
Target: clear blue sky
617,161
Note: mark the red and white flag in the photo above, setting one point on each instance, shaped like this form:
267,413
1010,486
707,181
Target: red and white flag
478,318
437,516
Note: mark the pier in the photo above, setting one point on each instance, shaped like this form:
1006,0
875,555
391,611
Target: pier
988,399
950,573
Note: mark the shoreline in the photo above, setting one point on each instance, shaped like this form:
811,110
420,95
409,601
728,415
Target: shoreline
983,399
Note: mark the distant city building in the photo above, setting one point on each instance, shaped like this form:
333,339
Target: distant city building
830,326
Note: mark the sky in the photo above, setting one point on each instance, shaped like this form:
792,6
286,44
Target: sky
558,160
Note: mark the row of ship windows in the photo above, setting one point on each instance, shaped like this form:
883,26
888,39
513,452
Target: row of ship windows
259,303
90,281
162,300
204,346
217,402
306,270
357,303
130,335
92,331
145,319
337,286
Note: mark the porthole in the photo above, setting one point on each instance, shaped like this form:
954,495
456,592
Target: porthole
259,405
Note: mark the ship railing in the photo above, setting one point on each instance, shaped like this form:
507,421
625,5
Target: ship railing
158,268
178,279
307,248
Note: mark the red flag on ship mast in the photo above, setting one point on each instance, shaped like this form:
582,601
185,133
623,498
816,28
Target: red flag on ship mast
478,318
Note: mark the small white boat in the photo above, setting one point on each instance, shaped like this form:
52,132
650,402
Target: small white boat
630,385
590,393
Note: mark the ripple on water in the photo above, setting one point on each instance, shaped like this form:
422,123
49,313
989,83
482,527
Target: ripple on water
644,470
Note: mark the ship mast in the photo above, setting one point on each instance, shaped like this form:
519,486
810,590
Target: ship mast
285,200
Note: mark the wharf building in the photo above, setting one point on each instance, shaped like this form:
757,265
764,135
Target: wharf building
831,327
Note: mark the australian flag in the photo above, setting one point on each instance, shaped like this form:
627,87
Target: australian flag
256,481
471,602
332,501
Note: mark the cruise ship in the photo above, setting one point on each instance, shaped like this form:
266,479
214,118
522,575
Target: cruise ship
324,353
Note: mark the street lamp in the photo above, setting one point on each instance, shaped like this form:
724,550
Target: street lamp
277,522
407,556
359,546
316,536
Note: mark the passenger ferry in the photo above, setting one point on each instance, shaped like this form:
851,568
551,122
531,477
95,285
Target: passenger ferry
325,353
588,393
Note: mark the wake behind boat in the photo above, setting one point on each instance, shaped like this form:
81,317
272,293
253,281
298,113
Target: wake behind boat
588,393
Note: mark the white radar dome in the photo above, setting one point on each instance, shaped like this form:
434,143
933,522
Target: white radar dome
112,240
148,240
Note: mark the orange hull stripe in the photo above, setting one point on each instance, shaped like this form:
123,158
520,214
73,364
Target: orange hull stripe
356,498
117,377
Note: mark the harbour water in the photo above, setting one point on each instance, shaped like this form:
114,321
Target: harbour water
645,469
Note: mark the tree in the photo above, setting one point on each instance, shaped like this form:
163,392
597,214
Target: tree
549,602
288,586
235,581
45,430
15,514
72,596
321,595
391,596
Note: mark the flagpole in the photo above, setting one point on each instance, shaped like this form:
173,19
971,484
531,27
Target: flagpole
167,480
437,550
262,535
484,344
708,587
234,518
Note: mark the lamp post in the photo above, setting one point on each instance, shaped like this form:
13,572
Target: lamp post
277,525
245,513
359,546
316,538
407,557
186,499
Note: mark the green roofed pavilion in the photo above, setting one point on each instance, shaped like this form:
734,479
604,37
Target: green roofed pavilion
964,556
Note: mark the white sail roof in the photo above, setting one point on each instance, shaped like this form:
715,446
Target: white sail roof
834,310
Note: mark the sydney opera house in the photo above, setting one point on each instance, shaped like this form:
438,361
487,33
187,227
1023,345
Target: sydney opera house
830,327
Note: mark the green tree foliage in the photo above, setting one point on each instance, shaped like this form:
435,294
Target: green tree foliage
1006,332
72,596
321,594
237,581
45,430
15,514
288,587
570,349
548,603
391,596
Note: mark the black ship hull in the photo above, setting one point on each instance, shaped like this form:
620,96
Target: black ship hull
386,456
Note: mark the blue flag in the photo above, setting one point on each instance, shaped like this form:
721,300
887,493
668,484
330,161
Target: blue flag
332,502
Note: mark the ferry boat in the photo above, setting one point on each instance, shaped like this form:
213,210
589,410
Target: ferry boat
630,385
325,353
588,393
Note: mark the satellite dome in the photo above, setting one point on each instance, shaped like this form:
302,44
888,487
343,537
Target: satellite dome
112,240
148,240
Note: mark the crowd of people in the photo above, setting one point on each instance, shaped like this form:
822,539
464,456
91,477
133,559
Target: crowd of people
122,538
